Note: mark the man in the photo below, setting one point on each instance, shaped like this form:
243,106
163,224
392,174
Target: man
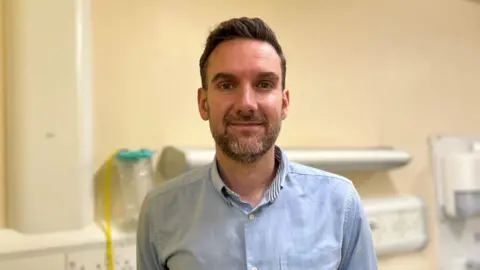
251,208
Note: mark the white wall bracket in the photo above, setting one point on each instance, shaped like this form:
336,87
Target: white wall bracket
176,160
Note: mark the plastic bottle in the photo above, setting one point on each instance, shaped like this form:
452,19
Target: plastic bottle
136,178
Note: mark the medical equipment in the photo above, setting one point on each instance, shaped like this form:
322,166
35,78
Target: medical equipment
85,248
136,177
108,228
456,164
457,175
177,160
461,175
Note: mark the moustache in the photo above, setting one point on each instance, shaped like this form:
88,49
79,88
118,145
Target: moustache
246,119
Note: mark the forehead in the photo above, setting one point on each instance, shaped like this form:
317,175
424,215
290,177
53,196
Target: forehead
243,57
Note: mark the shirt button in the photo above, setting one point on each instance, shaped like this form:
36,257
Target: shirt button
251,217
254,268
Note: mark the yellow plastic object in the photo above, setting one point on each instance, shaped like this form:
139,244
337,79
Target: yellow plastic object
108,227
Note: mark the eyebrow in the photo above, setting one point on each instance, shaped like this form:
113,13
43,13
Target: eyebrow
231,76
223,75
269,75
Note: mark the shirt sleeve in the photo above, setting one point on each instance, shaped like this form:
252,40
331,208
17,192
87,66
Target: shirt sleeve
147,258
358,252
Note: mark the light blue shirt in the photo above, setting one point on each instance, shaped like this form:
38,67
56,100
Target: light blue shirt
309,219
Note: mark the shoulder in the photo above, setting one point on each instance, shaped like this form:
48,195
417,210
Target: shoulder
182,185
309,176
322,185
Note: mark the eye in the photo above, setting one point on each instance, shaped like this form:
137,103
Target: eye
265,85
226,86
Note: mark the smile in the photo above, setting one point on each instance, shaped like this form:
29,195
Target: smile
245,126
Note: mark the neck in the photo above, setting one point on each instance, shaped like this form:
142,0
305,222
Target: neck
249,181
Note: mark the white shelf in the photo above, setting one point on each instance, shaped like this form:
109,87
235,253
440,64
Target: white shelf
351,159
174,161
13,243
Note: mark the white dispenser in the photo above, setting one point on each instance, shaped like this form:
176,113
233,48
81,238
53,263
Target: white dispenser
461,174
456,172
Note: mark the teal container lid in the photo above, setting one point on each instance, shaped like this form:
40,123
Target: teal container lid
134,155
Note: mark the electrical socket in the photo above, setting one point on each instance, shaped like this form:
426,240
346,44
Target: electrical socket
124,258
91,259
398,224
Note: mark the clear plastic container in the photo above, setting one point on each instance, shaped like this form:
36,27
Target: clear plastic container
136,177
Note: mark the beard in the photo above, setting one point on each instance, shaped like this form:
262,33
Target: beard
246,148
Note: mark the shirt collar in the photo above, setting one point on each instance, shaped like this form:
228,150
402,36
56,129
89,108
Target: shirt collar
271,193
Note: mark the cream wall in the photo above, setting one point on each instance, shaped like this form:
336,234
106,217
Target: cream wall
2,125
372,73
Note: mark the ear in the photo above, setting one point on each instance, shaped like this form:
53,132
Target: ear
285,103
202,103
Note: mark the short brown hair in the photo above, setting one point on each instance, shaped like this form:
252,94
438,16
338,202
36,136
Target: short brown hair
250,28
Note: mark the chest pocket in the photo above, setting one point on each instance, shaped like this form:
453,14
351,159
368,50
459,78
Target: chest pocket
324,259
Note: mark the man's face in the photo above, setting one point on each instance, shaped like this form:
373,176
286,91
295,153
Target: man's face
244,103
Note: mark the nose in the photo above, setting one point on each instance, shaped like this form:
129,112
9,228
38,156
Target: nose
247,101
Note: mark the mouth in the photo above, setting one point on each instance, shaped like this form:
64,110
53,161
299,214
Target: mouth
245,125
